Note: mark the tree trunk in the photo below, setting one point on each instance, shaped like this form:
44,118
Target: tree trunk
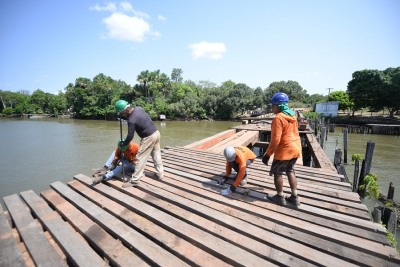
4,105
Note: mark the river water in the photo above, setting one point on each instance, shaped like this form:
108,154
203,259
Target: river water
37,152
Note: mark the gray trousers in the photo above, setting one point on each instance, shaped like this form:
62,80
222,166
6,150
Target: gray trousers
148,146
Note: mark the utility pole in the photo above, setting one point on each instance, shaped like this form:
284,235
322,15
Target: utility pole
329,91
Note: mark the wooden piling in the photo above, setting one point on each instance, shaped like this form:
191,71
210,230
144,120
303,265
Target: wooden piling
355,177
345,144
323,137
368,156
390,191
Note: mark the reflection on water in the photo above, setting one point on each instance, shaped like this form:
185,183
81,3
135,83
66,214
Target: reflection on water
36,153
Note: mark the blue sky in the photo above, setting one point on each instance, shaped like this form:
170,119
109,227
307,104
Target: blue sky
47,44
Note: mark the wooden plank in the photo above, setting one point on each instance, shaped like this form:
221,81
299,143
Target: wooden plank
75,248
209,209
258,174
108,246
202,223
247,138
10,254
322,238
41,250
226,251
178,245
210,141
320,159
330,206
147,248
194,179
223,143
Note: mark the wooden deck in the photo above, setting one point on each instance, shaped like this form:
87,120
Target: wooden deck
184,221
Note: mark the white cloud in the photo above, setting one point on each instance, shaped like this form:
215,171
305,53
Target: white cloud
123,27
108,7
204,49
126,6
161,18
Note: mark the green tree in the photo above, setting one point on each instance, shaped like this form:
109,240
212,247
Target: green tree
176,75
343,98
291,88
366,89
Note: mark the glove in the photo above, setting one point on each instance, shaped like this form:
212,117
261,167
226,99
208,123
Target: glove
265,159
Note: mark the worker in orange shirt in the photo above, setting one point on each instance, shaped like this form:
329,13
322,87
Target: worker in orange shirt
285,144
112,168
237,158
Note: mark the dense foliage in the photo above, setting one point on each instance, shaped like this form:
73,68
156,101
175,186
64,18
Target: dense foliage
177,98
376,90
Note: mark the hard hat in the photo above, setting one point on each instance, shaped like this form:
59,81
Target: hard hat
230,153
121,105
122,148
279,98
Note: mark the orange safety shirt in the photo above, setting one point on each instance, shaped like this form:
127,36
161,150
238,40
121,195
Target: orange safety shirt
129,154
285,141
242,155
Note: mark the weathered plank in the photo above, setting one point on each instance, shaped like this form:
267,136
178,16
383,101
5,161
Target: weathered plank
109,247
187,250
322,238
225,250
76,249
41,250
10,254
140,243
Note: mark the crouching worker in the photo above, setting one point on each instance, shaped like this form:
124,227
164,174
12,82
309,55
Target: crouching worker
115,169
237,158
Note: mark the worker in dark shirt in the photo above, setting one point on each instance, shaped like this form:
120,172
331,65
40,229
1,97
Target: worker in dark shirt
141,123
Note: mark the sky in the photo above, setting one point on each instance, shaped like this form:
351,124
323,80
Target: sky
47,44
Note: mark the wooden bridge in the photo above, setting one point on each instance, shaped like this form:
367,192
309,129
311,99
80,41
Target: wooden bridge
184,221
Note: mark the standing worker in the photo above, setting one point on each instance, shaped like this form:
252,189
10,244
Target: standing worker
285,144
237,158
112,168
139,121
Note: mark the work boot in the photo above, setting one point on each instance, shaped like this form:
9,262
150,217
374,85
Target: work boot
294,200
158,176
130,183
280,200
226,191
97,178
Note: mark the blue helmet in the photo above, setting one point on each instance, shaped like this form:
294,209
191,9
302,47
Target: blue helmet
279,98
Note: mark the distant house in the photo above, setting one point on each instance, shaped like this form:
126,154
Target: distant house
327,108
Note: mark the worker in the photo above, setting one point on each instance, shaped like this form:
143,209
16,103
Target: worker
237,158
141,123
285,145
112,168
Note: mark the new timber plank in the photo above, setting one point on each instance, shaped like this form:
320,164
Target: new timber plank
302,232
41,250
147,248
111,248
212,140
77,250
247,138
226,251
223,143
10,254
